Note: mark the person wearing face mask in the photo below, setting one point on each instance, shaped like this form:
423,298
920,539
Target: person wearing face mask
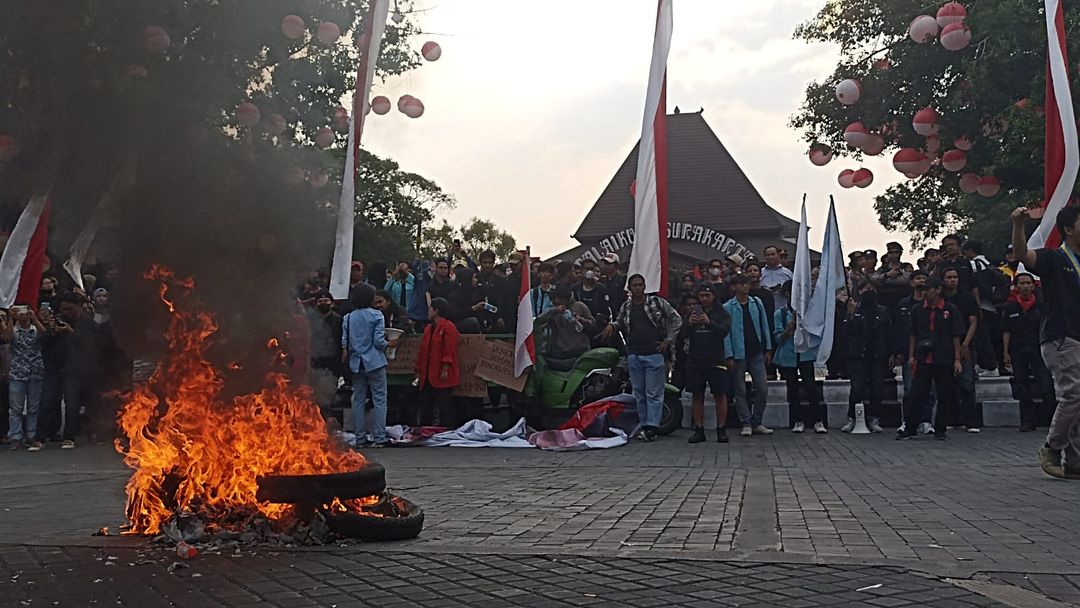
326,367
591,293
715,278
868,328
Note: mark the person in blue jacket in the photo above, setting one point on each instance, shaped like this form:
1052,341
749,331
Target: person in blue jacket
792,365
749,349
363,342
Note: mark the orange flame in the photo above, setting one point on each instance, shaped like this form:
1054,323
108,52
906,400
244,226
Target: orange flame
193,451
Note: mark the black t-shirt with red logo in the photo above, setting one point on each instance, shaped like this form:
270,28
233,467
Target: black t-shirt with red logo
934,328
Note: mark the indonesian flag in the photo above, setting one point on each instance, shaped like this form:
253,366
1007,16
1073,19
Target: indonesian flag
1062,158
649,255
24,256
524,344
374,27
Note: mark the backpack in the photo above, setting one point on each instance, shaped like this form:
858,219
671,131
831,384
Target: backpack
993,285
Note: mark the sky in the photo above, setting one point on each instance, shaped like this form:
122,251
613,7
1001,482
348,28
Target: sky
534,105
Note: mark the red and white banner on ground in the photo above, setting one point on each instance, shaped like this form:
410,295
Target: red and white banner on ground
524,344
649,255
24,256
374,28
1062,156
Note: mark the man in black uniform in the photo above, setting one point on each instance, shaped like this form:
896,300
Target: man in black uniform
1022,316
934,355
868,328
969,312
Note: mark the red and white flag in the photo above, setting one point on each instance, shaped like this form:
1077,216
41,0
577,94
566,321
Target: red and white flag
1062,157
374,28
649,255
24,256
524,344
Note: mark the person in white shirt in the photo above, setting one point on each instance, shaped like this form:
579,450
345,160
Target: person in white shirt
773,275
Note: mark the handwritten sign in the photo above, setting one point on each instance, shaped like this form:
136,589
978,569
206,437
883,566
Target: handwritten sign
404,362
470,349
497,365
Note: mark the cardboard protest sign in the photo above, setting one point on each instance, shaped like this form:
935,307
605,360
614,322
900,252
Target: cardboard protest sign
404,362
497,365
470,349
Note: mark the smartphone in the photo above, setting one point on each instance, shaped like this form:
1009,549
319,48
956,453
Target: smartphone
698,310
46,306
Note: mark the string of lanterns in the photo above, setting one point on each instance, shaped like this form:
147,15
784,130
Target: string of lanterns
948,28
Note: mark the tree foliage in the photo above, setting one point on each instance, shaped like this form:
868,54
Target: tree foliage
476,236
992,91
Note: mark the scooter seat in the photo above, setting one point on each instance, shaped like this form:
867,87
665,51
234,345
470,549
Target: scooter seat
560,365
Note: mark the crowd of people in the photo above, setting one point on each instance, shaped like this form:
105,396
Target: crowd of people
941,321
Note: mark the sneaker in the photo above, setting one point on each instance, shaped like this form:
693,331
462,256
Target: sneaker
902,427
747,431
698,436
819,428
721,435
67,445
798,428
1050,461
35,446
15,444
875,426
847,427
924,428
930,429
905,434
652,434
973,429
761,429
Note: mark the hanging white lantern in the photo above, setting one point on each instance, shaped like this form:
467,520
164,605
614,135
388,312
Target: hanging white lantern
951,12
431,51
248,114
848,91
963,143
856,135
908,161
988,186
381,105
933,143
820,154
862,178
969,183
318,179
413,108
401,102
156,39
293,26
328,32
923,29
954,160
955,36
324,137
925,122
846,178
874,145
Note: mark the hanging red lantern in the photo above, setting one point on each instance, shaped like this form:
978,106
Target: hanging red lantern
318,179
909,161
950,13
820,154
923,29
276,124
328,32
954,160
955,37
413,108
874,145
401,102
848,91
969,183
856,135
294,176
862,178
293,26
156,39
381,105
925,122
988,186
341,118
846,178
248,114
324,137
9,148
884,64
431,51
963,143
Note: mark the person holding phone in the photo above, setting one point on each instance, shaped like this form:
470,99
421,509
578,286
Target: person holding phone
25,334
706,364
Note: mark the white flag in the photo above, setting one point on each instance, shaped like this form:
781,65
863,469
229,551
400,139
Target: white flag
801,289
820,318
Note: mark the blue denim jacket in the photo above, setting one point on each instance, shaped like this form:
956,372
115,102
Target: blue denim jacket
363,335
735,343
785,355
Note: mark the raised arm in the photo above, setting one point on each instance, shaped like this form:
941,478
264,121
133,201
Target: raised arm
1019,238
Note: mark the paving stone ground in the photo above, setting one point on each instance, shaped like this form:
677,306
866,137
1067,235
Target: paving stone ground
975,506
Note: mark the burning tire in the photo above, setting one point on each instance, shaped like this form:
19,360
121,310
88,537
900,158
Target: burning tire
399,519
318,489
